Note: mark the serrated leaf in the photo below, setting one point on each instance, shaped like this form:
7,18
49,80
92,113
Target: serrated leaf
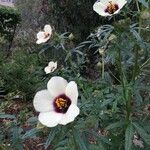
106,102
79,141
85,42
50,138
138,97
115,125
79,52
32,121
128,137
16,138
61,148
136,34
7,116
144,3
71,143
97,147
68,55
30,134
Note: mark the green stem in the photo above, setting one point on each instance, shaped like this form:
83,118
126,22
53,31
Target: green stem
135,70
136,55
137,5
121,72
140,25
129,107
140,21
103,66
126,94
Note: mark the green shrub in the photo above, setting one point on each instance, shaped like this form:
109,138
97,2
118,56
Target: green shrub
21,73
9,19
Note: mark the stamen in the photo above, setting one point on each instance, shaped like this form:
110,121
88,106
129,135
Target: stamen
111,8
62,103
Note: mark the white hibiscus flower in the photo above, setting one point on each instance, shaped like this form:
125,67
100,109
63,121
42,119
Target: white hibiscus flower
108,7
52,66
58,103
45,35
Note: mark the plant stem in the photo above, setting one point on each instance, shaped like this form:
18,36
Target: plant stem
135,70
103,66
140,21
128,106
121,72
126,94
137,5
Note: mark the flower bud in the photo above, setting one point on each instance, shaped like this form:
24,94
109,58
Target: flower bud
71,36
145,14
101,51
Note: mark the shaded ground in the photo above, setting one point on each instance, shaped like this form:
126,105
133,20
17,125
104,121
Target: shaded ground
23,111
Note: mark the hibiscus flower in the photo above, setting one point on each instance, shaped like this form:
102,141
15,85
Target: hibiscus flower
108,7
51,67
44,36
58,103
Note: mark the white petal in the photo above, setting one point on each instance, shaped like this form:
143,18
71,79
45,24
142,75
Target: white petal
41,35
101,5
56,86
115,1
52,64
100,8
70,115
104,2
47,70
43,101
121,3
50,119
42,40
48,29
117,11
72,92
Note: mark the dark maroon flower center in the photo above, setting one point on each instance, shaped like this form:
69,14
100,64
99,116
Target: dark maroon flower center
62,103
46,35
111,8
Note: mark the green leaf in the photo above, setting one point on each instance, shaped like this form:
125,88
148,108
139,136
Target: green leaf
115,125
128,137
144,3
30,134
79,52
71,143
4,116
97,147
136,34
32,121
106,102
50,138
79,141
145,136
16,138
61,148
68,56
